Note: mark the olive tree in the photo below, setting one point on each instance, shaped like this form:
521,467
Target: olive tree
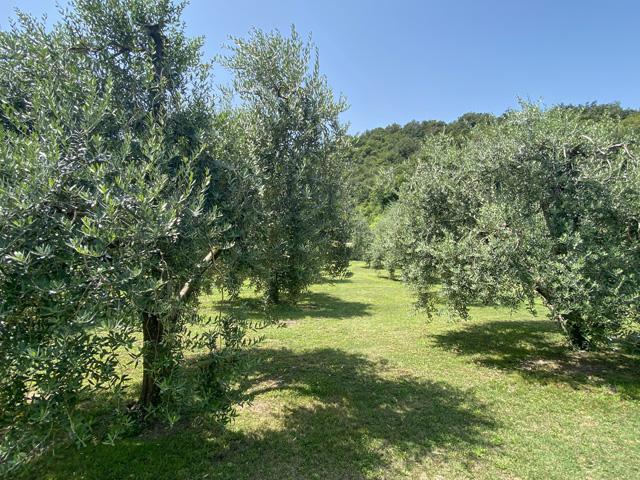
360,236
160,83
383,252
115,208
543,204
296,149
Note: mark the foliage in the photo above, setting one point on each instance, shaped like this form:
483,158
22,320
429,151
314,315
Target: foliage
360,236
461,128
121,199
126,192
381,160
543,203
383,250
378,162
599,111
295,146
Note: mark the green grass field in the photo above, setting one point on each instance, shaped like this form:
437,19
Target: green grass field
359,385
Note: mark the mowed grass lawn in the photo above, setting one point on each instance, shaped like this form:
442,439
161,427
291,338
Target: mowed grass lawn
359,385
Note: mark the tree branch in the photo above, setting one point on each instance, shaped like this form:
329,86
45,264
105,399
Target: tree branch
187,289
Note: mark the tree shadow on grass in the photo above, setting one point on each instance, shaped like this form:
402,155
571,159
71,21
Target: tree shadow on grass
311,305
323,414
536,349
360,416
336,280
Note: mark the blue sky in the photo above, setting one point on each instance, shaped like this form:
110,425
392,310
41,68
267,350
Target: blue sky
400,60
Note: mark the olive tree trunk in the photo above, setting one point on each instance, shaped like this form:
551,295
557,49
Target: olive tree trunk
570,322
153,335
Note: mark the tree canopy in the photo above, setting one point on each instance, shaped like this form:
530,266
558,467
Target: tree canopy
296,149
382,159
542,204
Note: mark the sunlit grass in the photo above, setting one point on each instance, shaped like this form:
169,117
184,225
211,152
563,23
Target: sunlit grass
359,385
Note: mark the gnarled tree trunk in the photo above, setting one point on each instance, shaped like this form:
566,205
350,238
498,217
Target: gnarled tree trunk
571,322
273,293
153,335
572,325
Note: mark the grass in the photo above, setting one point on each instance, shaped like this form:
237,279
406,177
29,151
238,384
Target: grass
359,385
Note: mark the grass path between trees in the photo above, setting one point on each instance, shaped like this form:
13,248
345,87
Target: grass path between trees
358,385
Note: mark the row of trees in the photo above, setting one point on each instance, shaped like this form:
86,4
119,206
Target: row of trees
126,191
542,204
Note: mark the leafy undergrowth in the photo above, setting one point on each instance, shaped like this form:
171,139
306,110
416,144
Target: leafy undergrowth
359,385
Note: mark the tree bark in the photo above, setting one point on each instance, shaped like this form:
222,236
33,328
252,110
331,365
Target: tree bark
273,293
157,37
571,323
153,334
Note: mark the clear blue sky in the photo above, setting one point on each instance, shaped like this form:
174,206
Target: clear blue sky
408,59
